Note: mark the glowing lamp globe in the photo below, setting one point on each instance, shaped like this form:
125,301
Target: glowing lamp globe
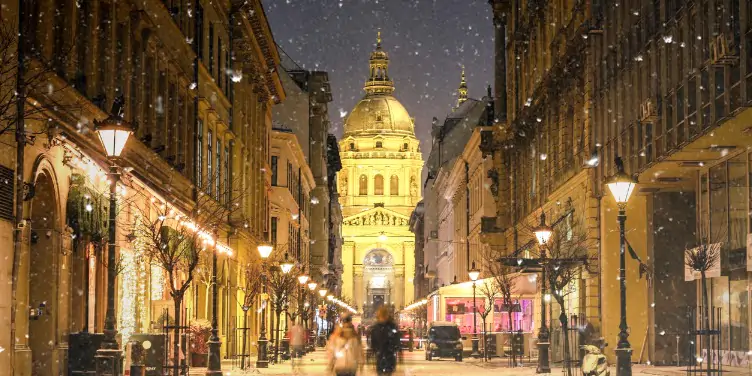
286,265
621,185
322,292
330,297
312,285
474,273
113,132
264,250
543,231
303,279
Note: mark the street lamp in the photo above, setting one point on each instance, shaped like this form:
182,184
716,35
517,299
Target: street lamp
621,186
264,250
543,234
312,343
286,265
474,273
113,132
214,364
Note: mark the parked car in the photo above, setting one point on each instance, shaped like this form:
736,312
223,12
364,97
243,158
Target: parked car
444,341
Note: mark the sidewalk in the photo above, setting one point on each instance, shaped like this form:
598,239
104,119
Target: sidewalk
637,369
312,362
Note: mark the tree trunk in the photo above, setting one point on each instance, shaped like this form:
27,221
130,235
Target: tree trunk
511,333
565,336
178,300
245,339
276,337
485,347
706,320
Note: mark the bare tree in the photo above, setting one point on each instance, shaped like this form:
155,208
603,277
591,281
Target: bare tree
701,259
489,290
505,285
251,289
567,256
178,243
282,286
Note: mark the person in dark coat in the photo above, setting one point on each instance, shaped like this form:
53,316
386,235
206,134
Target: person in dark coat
385,342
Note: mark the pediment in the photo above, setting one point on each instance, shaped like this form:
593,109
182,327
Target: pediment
376,217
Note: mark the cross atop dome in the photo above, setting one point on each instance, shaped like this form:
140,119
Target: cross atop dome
378,80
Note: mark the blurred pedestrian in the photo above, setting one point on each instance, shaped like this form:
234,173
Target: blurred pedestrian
297,342
385,342
344,350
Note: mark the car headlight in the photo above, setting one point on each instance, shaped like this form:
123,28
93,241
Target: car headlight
458,346
433,346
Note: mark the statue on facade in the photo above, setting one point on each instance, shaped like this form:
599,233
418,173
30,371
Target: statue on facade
343,183
493,175
413,186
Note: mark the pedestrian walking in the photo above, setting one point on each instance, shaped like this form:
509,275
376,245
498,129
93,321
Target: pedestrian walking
297,342
344,350
385,342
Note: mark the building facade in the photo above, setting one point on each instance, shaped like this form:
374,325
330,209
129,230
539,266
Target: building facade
663,85
306,114
378,189
185,101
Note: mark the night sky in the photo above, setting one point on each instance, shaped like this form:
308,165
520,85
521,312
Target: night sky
427,42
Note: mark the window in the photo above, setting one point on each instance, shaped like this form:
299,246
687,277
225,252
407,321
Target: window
200,36
209,162
200,156
394,185
274,231
378,185
219,168
363,185
352,146
219,63
275,162
379,145
211,49
405,146
228,167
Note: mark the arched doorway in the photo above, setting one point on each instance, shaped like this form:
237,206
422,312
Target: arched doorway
44,249
378,274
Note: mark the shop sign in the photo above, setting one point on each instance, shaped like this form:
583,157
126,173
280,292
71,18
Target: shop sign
713,272
456,309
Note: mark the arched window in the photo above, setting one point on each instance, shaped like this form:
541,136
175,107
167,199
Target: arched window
363,185
379,145
378,185
394,185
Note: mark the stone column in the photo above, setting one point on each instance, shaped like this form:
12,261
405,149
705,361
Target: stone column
398,288
358,289
21,351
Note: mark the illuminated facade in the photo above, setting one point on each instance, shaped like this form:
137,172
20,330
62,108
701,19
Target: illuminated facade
379,185
664,85
187,142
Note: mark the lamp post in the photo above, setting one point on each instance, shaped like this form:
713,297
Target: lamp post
264,250
621,186
543,234
214,363
322,294
474,273
312,306
302,279
286,266
113,132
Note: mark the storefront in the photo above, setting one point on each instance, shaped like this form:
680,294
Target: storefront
724,218
454,303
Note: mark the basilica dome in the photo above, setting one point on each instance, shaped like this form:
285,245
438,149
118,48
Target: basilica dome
379,112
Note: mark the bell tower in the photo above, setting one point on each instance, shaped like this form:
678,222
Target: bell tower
378,81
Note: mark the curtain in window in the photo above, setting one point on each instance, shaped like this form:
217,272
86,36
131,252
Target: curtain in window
378,185
363,185
394,185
